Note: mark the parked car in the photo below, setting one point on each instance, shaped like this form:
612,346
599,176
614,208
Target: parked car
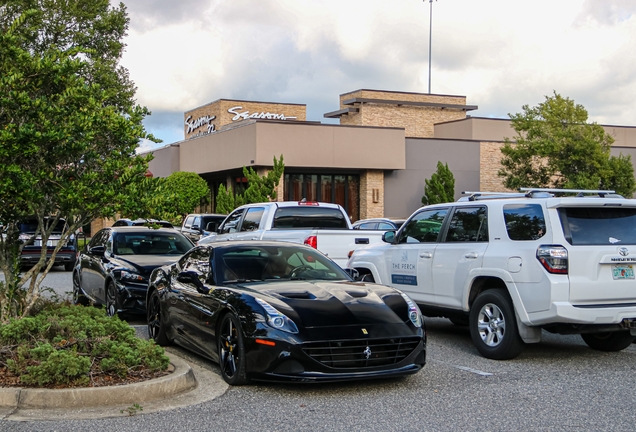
142,222
32,250
323,226
384,224
284,312
196,226
113,269
512,265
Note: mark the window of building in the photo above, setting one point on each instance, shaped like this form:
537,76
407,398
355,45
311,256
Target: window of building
332,188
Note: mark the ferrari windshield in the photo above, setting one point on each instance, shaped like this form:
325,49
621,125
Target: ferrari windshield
284,262
150,242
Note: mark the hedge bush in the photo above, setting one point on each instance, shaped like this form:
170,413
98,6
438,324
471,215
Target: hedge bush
72,345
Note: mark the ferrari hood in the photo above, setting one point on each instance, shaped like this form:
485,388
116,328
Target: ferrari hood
324,303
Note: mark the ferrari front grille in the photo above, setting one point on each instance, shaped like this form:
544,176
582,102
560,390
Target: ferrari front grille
361,353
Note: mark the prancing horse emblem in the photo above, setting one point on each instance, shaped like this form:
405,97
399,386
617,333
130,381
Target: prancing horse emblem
367,353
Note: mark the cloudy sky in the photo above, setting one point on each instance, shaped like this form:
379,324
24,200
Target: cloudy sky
500,54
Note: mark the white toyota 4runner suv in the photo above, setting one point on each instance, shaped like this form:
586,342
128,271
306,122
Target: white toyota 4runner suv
510,265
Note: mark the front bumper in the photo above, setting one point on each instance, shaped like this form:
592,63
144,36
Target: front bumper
298,361
131,297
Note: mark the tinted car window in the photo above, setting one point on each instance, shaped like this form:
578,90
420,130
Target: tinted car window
30,226
188,222
385,226
99,239
524,221
309,217
367,226
599,226
252,219
211,223
468,224
151,242
424,227
231,223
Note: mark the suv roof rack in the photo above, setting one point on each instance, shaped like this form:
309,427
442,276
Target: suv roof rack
536,193
578,192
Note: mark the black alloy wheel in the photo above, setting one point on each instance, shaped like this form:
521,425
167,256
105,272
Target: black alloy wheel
493,325
608,341
231,348
156,326
78,295
111,299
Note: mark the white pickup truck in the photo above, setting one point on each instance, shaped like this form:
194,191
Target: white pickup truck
323,226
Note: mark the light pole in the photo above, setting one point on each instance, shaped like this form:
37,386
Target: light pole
430,42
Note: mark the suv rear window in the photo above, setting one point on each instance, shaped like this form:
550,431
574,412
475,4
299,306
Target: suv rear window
598,225
309,217
524,221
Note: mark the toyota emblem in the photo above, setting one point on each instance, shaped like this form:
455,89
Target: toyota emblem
623,251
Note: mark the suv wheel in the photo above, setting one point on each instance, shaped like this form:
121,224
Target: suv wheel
493,326
608,341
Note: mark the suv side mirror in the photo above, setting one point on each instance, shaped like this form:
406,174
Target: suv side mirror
388,237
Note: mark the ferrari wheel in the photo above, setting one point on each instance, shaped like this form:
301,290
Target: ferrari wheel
111,299
78,295
231,348
156,326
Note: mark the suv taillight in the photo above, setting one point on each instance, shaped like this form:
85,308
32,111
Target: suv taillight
554,258
312,241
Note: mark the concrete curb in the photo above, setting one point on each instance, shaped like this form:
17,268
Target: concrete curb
179,381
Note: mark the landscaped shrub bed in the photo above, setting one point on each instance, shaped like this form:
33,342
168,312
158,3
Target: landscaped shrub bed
72,346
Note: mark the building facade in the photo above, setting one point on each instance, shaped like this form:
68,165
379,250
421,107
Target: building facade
374,163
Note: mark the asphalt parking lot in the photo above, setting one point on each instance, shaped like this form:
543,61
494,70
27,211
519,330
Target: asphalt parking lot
559,384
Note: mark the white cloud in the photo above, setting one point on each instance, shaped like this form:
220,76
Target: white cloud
501,54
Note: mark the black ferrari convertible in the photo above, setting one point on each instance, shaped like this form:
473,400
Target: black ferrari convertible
283,312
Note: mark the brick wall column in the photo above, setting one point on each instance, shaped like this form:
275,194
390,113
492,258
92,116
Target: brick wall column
371,194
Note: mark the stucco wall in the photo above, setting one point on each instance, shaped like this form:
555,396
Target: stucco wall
403,189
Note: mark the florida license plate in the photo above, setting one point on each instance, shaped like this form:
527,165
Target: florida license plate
623,272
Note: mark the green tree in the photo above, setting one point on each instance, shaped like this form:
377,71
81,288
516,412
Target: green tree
69,128
556,147
441,187
260,188
179,194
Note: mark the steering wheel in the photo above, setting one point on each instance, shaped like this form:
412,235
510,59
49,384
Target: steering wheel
299,270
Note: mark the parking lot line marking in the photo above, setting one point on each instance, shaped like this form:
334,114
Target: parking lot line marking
465,368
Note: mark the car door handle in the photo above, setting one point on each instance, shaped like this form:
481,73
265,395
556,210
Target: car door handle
426,255
471,255
254,238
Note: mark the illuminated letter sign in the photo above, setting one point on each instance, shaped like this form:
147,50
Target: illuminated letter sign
262,115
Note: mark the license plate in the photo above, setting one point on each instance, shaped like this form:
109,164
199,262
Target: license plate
623,272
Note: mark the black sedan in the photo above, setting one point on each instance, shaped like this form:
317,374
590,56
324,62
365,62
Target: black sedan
283,312
113,269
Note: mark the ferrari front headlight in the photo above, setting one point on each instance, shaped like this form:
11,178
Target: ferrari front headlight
129,276
276,319
414,312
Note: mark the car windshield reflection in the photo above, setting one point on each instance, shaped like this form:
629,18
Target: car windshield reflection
151,243
276,263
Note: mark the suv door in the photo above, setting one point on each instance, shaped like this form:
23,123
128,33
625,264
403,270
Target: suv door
461,251
410,260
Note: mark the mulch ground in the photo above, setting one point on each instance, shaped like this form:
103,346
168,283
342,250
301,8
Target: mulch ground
7,379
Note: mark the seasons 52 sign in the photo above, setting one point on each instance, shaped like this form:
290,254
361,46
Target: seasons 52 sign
242,115
193,125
